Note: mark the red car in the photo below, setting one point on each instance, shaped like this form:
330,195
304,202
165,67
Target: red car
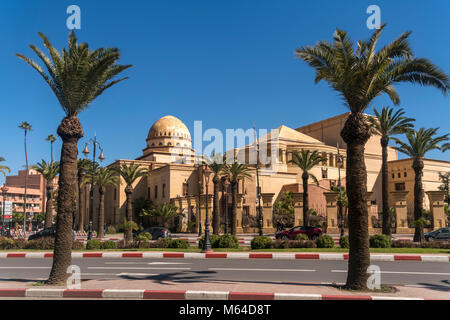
312,232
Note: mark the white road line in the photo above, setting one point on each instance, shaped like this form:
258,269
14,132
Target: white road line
136,274
277,270
25,267
138,268
406,272
146,263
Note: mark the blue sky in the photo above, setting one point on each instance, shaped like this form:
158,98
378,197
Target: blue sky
227,63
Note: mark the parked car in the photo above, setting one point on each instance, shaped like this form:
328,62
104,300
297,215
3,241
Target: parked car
441,234
46,232
156,232
312,232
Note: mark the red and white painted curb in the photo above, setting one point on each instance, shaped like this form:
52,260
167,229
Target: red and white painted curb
230,255
179,295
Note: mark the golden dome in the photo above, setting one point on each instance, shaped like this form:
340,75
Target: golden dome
169,126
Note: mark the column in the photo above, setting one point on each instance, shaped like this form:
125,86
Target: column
298,208
184,209
332,212
238,213
401,211
369,211
267,212
437,208
193,209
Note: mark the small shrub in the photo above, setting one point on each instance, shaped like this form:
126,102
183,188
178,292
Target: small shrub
7,243
20,243
261,242
111,230
109,245
343,242
308,244
162,243
45,243
94,244
301,236
325,241
123,245
178,243
228,241
280,244
380,241
143,237
214,239
77,245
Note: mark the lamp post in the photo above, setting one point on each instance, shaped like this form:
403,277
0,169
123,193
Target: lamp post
340,161
200,191
207,243
226,183
258,188
95,144
4,190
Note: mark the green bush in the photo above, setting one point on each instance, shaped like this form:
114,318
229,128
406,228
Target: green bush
280,244
178,243
7,243
45,243
228,241
111,230
94,244
109,245
143,237
301,236
380,241
343,242
261,242
77,245
20,243
325,241
162,243
214,239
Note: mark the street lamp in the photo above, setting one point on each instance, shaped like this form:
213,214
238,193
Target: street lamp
340,161
95,144
200,191
4,190
258,188
226,183
207,243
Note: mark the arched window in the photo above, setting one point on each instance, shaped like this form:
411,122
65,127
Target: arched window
160,144
169,144
153,144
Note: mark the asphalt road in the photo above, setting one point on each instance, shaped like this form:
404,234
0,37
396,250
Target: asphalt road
251,271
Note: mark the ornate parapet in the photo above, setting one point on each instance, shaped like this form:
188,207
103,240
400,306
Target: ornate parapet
437,208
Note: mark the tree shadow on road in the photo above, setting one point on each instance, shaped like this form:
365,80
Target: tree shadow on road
445,287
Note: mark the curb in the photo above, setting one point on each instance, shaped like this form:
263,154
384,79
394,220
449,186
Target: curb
178,295
228,255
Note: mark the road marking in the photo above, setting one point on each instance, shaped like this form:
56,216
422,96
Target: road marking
145,263
25,267
406,272
277,270
138,268
136,274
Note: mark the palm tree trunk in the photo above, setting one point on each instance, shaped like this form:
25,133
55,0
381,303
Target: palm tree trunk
49,206
26,186
80,206
129,214
216,204
305,199
355,133
70,132
51,151
233,207
384,188
101,216
418,199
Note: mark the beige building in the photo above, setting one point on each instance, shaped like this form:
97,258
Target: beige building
174,176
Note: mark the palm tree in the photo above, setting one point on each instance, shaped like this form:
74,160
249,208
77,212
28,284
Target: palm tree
360,76
166,212
4,168
104,177
306,160
83,166
49,171
216,164
445,147
130,173
235,172
25,126
51,138
76,76
387,124
418,144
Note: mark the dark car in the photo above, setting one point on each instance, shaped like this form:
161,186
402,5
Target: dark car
46,232
312,232
156,232
441,234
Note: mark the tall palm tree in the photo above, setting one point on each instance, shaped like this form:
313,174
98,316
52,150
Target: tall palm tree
166,212
83,166
418,144
216,164
104,177
386,124
360,76
130,174
25,126
235,172
51,138
76,76
306,160
49,171
4,168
